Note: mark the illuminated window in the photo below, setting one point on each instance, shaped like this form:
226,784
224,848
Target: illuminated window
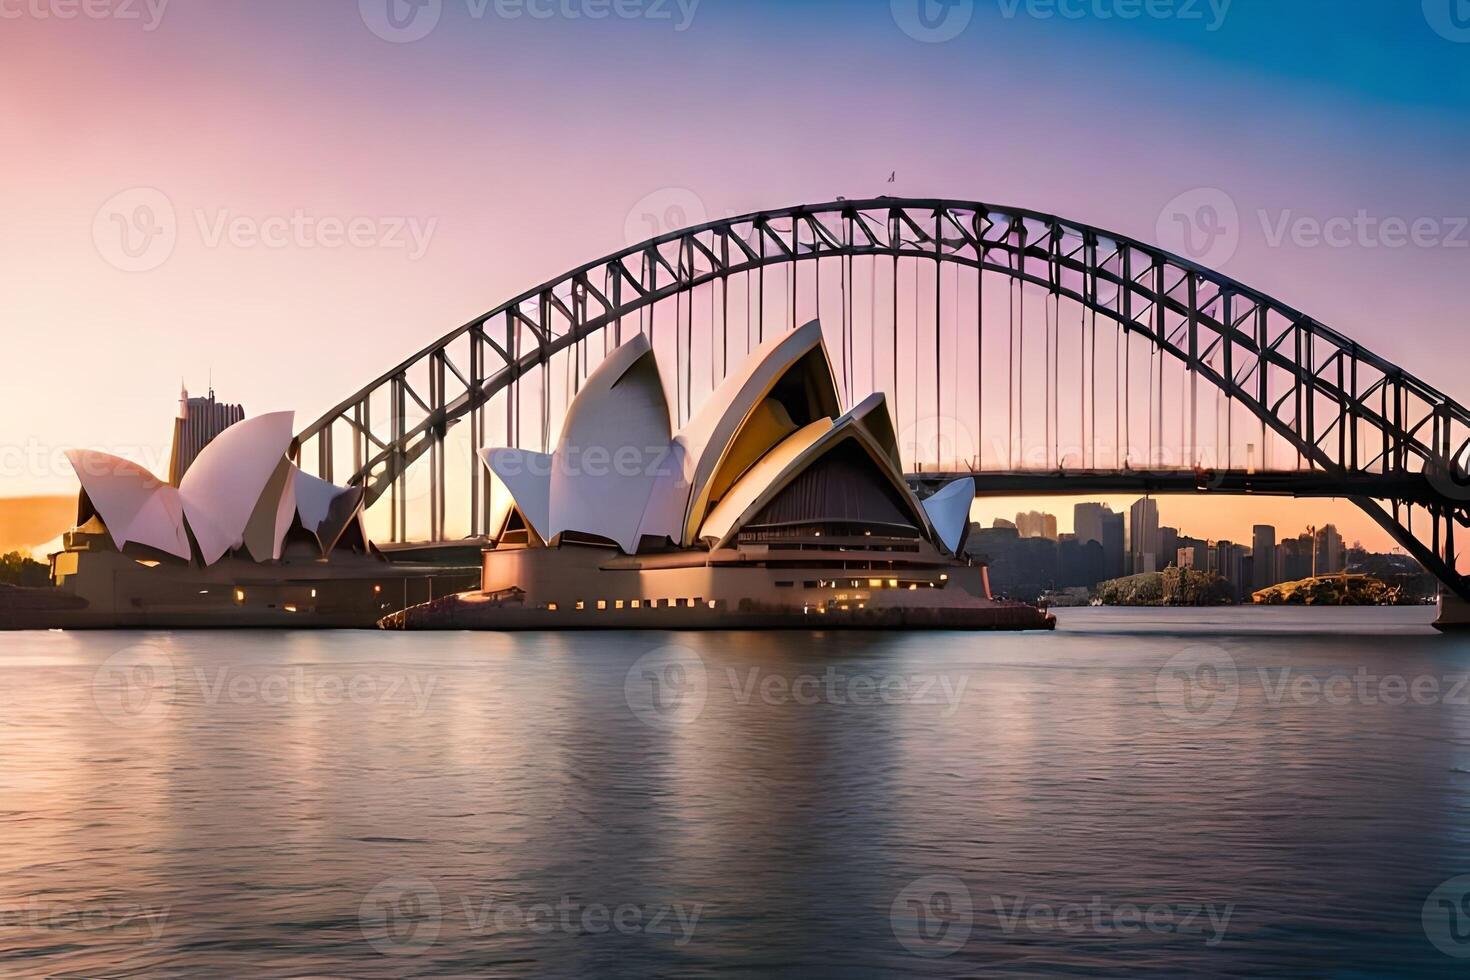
204,592
617,603
875,583
581,605
713,603
289,608
893,583
313,593
551,607
636,604
239,595
913,587
944,577
601,603
377,588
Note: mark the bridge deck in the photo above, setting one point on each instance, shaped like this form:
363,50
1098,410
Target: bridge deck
1399,486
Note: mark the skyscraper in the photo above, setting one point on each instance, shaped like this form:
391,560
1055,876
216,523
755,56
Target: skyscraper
1331,556
1034,524
1115,549
1263,548
200,420
1143,536
1087,522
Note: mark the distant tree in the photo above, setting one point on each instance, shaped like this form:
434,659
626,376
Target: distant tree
19,569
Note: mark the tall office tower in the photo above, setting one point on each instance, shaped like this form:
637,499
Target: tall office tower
1263,550
1230,565
1087,522
1034,524
1295,558
199,421
1168,545
1143,537
1331,555
1115,549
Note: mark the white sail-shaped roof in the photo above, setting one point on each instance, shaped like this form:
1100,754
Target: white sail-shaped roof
873,416
616,431
226,481
949,512
526,477
705,444
265,532
764,481
326,511
134,504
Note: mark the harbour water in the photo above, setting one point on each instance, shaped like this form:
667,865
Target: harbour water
1241,792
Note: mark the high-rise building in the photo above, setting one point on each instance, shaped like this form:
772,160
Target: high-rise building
1114,543
1263,550
1229,564
1035,524
1331,555
1087,521
199,421
1294,558
1184,557
1143,536
1168,544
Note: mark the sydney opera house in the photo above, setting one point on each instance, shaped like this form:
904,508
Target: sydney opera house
241,537
772,508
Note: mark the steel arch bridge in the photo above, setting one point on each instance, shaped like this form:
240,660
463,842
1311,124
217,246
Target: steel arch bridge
1125,368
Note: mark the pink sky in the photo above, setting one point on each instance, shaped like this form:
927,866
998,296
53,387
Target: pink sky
520,148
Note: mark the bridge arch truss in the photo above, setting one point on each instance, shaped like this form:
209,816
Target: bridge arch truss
918,292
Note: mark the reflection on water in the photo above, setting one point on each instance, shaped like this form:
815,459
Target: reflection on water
1236,792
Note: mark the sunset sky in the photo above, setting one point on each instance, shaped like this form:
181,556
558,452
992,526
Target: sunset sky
502,148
